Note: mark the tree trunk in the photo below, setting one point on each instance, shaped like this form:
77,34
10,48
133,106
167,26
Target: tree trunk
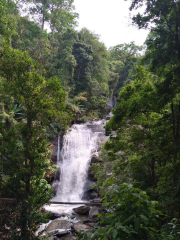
43,20
52,36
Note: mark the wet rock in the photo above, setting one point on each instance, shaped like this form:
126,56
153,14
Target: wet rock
93,194
74,238
81,218
54,150
94,212
67,237
55,238
95,159
87,221
58,224
91,176
90,194
96,200
80,226
88,185
58,174
103,138
58,232
43,209
54,215
91,224
96,127
82,210
55,186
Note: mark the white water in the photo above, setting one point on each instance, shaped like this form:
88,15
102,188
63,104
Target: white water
73,162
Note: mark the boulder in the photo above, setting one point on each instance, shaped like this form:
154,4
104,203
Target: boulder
90,194
55,238
54,215
61,232
95,159
74,237
91,224
94,212
87,185
58,232
82,210
87,221
80,226
91,176
58,224
54,186
54,149
67,237
93,194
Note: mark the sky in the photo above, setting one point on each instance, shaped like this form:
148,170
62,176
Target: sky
110,19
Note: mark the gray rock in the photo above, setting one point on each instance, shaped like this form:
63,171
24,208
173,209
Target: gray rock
61,232
87,221
82,210
90,195
54,215
67,237
91,224
55,238
74,237
94,212
95,159
54,149
80,226
58,224
58,232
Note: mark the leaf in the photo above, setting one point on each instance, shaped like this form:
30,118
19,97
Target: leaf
144,218
128,219
137,224
118,224
110,205
124,229
115,232
104,202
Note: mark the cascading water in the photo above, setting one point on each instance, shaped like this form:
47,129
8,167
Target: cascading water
73,162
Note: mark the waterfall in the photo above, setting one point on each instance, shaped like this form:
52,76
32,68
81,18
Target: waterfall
74,160
58,152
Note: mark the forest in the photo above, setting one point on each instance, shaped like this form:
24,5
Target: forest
52,76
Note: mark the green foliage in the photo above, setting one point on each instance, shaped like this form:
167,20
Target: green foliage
144,123
131,215
25,154
124,58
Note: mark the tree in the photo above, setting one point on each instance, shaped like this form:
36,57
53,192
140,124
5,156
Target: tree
64,61
31,38
144,121
83,55
41,11
124,57
8,14
162,18
93,74
61,17
24,150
